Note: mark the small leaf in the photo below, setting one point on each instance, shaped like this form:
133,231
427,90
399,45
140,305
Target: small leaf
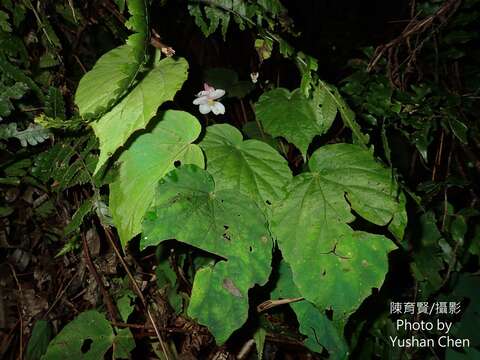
4,24
126,305
399,222
8,93
38,343
459,129
259,338
33,135
88,337
14,73
78,217
348,116
292,116
54,104
123,344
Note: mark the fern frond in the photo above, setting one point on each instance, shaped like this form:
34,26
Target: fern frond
68,163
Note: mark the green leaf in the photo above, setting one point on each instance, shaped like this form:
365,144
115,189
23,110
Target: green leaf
115,72
145,162
120,4
89,329
259,337
348,116
125,305
312,231
7,93
34,134
139,106
14,73
264,48
4,24
467,327
38,343
250,167
123,344
187,207
399,222
216,17
320,331
428,259
77,218
459,129
252,130
100,88
327,105
68,163
468,354
292,116
5,211
54,104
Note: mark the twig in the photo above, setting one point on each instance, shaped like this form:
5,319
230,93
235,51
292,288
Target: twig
80,63
91,267
438,157
273,303
246,348
137,290
414,27
59,296
19,307
156,42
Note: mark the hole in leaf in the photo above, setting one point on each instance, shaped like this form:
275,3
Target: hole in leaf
225,227
268,202
324,273
251,249
177,163
87,344
329,314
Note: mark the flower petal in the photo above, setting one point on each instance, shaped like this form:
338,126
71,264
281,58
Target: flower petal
208,87
203,93
216,94
218,108
205,109
201,100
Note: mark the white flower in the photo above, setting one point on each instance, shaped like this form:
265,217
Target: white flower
206,100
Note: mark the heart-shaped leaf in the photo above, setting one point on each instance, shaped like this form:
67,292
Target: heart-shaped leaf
251,167
292,116
146,161
187,207
312,231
